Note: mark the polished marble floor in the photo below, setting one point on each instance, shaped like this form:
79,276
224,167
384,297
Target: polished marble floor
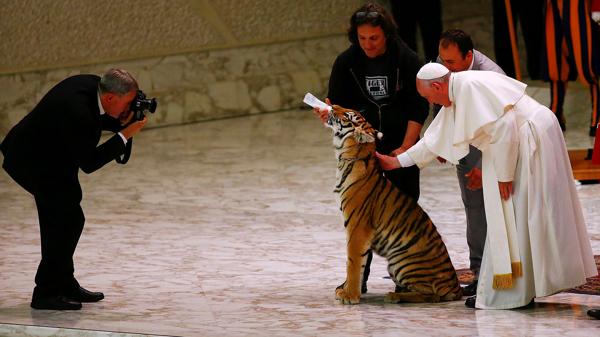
230,228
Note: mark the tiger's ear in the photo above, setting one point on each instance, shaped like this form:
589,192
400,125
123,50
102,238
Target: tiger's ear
362,136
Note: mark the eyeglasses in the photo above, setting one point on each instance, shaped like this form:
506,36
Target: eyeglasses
366,15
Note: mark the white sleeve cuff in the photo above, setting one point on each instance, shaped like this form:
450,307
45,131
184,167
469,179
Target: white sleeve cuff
123,137
405,160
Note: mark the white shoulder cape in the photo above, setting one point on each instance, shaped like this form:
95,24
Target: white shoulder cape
475,106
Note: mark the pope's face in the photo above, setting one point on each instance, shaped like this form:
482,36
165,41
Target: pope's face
371,39
117,105
453,59
436,93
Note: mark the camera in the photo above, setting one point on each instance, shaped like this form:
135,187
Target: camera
141,104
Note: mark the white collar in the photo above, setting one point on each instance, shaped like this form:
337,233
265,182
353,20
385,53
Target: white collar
102,112
451,88
472,60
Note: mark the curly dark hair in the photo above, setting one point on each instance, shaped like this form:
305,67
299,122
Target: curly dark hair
375,15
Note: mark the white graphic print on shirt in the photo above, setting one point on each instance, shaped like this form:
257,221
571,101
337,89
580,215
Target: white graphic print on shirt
377,86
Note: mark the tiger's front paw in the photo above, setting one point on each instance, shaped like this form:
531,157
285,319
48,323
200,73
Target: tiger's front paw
345,298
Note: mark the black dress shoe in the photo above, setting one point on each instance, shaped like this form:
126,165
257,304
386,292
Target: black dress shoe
55,303
470,289
470,302
529,305
594,313
83,295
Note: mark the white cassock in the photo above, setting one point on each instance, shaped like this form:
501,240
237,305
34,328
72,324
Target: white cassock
537,242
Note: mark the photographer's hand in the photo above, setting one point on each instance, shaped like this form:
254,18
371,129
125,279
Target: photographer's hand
124,119
133,128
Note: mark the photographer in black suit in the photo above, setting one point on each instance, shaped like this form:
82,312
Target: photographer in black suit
43,154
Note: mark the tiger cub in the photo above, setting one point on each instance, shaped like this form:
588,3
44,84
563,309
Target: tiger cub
379,216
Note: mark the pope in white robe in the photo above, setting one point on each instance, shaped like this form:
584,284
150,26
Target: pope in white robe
537,242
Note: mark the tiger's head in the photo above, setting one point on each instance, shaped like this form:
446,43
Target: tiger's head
351,131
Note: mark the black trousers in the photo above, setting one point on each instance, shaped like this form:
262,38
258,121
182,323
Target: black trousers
407,179
61,222
427,14
530,14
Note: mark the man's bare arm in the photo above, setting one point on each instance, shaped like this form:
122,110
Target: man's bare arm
413,131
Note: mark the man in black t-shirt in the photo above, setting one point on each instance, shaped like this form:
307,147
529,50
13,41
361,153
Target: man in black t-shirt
376,76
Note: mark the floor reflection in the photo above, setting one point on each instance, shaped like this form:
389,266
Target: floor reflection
230,227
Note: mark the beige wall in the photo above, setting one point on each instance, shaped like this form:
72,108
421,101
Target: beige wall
202,59
46,34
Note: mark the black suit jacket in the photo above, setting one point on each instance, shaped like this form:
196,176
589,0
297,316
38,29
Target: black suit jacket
46,149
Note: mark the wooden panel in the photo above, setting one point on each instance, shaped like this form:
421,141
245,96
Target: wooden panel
583,169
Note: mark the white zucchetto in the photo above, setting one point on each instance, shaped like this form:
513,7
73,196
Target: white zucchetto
432,71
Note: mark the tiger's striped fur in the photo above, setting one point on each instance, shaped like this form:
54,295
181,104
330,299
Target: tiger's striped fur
380,217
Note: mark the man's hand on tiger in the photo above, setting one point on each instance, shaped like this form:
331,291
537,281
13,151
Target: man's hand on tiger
387,162
474,183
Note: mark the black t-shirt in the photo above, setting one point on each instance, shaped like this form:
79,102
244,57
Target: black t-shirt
377,77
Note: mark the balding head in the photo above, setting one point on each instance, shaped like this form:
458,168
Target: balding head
117,81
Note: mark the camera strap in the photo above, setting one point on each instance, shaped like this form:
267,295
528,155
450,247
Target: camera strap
123,160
